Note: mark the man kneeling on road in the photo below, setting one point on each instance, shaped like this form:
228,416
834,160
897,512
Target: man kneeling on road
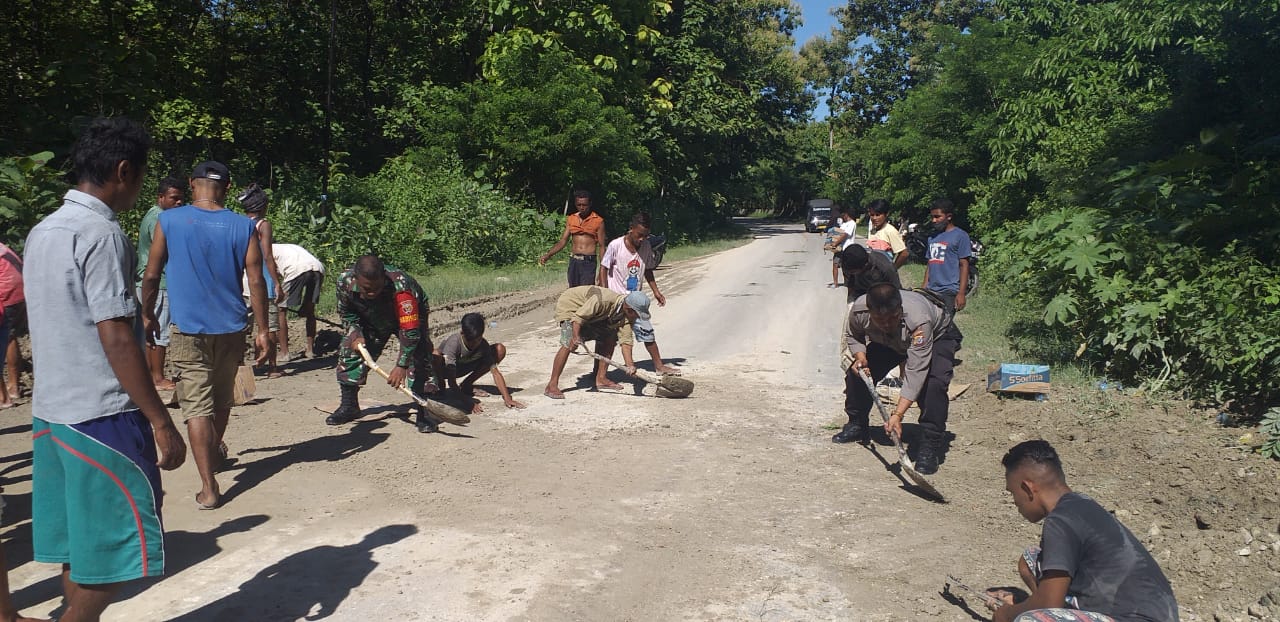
885,328
1088,567
593,313
376,301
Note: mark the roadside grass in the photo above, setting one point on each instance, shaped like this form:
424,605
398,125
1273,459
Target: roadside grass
988,322
721,242
445,284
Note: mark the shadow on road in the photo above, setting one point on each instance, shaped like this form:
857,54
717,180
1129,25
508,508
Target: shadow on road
306,585
359,437
184,549
769,228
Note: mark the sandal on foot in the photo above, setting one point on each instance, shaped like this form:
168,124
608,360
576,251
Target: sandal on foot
202,506
555,396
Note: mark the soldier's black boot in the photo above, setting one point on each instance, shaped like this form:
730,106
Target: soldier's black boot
855,430
349,409
930,451
426,423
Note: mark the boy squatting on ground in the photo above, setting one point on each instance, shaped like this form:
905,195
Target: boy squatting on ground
1088,567
467,355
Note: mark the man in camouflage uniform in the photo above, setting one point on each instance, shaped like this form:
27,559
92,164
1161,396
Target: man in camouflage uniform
376,301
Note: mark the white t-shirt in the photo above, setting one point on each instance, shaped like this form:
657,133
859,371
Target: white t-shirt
293,260
625,268
850,229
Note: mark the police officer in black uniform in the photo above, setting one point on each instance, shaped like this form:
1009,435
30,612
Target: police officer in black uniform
884,329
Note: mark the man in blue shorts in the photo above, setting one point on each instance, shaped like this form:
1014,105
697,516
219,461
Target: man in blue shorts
95,500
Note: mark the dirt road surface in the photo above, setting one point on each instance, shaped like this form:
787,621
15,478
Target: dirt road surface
730,505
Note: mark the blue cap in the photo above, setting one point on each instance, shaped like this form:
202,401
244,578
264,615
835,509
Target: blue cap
640,303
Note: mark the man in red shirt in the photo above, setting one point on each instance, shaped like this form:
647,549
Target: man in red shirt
13,305
587,230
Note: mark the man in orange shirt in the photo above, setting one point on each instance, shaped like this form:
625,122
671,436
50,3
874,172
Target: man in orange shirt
587,229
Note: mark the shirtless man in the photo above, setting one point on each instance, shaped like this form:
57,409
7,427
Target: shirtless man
587,229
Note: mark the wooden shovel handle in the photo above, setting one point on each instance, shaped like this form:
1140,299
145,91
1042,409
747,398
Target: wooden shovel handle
640,373
897,442
368,361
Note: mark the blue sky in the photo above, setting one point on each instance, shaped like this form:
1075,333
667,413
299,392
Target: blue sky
817,21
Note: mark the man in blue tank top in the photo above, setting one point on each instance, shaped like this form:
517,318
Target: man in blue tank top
204,249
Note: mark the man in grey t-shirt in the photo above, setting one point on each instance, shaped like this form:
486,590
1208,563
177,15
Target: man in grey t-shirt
467,355
1088,566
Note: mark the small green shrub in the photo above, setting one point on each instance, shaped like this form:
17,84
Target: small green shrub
1271,434
30,189
414,213
1141,307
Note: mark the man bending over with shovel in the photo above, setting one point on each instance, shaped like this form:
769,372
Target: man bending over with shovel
376,301
593,313
885,328
1088,567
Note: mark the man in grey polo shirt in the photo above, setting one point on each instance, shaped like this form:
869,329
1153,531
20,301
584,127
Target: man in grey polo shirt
95,499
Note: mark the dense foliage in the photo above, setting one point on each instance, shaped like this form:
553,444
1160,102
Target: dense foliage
440,131
1123,157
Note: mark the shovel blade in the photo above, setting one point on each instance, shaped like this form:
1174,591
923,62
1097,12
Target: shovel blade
920,482
673,386
446,413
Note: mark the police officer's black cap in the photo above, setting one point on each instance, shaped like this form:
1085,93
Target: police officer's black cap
854,258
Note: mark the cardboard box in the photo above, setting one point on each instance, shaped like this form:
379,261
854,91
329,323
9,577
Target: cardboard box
1018,378
245,386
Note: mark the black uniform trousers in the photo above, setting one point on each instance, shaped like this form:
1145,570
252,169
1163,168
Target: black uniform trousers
933,400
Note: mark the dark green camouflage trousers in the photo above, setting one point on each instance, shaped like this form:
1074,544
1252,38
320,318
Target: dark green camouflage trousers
352,371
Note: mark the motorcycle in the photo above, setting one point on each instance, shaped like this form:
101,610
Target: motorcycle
916,237
975,249
659,245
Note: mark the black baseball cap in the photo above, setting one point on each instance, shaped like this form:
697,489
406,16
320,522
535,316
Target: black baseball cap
216,171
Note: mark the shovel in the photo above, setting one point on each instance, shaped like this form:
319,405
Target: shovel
990,601
439,410
908,468
668,386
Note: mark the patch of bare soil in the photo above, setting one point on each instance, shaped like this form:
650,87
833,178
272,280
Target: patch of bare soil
1207,509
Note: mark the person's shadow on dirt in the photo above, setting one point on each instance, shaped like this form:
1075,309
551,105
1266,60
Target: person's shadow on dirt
308,585
184,549
357,438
